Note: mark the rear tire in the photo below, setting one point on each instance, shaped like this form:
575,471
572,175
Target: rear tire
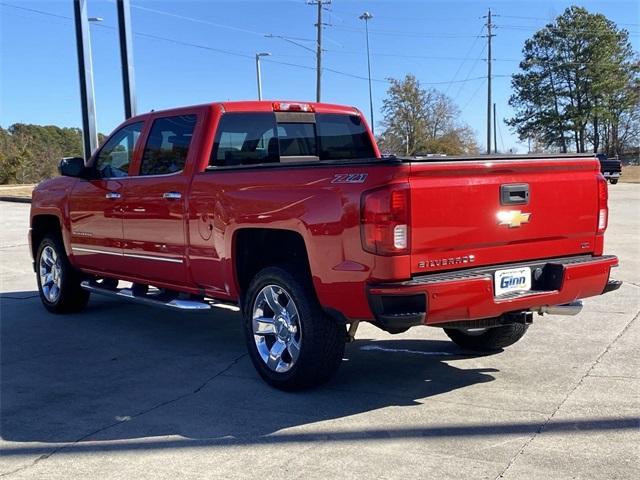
613,181
292,342
58,281
491,340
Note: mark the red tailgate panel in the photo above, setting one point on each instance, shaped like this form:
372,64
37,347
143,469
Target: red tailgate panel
455,206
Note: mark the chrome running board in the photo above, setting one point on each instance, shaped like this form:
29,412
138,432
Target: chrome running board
155,300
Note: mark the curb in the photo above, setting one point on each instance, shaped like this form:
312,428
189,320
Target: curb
15,199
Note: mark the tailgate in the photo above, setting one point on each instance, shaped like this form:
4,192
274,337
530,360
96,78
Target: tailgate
472,213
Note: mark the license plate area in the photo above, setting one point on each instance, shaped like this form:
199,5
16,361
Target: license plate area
511,280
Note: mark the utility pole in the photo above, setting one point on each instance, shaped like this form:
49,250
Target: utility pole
489,36
366,16
126,57
495,128
258,73
319,4
85,72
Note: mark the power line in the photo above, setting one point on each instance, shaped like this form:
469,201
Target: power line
402,34
402,55
199,20
290,38
548,27
542,19
241,54
525,28
471,70
33,10
434,57
466,57
169,40
474,95
419,19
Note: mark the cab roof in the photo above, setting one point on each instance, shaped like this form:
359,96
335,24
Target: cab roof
270,106
263,106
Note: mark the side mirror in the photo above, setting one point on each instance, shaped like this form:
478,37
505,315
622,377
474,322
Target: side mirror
72,167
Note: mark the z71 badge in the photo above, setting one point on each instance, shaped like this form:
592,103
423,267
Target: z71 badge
349,178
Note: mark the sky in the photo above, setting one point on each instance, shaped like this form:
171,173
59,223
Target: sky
191,52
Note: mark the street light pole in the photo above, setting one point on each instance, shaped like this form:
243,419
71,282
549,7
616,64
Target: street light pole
126,58
258,74
85,72
366,16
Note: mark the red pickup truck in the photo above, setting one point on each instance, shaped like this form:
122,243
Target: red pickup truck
288,211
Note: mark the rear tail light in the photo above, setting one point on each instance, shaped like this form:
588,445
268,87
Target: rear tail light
384,221
292,107
603,208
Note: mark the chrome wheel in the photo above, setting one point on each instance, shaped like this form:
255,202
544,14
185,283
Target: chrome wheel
276,328
50,274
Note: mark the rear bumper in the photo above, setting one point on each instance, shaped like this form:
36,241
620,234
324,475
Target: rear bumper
469,295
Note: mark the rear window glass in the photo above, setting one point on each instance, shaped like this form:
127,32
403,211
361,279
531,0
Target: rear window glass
297,139
343,137
257,138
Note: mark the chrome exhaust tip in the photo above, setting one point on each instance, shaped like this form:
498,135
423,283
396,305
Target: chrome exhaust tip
572,308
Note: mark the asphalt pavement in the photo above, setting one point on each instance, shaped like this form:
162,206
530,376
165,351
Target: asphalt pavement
124,391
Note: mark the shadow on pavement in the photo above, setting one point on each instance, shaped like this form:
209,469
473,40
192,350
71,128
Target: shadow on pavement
126,372
441,432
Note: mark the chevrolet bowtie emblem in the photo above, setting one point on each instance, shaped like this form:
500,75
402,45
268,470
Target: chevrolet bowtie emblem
512,218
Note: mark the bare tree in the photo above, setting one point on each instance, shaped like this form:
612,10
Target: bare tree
418,120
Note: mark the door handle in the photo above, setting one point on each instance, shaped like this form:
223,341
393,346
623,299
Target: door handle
172,195
113,196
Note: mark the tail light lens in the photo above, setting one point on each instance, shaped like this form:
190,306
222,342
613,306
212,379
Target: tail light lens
384,221
603,208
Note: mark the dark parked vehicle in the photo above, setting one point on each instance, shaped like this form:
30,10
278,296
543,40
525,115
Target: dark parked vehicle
611,168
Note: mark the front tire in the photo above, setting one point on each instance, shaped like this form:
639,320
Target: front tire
292,342
58,282
613,181
490,340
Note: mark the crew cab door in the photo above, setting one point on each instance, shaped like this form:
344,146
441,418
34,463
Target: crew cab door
154,245
95,206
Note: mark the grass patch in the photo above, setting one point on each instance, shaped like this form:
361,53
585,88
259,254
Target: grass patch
17,191
630,174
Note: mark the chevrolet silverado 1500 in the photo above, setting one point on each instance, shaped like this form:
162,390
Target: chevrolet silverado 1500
288,211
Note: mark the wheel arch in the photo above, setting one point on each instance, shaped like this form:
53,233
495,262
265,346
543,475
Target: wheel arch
41,225
258,248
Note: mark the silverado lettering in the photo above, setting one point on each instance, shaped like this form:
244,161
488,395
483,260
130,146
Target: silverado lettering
447,261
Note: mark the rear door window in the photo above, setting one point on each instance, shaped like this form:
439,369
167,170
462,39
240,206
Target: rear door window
168,145
245,139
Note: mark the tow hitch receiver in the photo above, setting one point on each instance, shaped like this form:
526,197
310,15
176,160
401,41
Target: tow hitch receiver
525,318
